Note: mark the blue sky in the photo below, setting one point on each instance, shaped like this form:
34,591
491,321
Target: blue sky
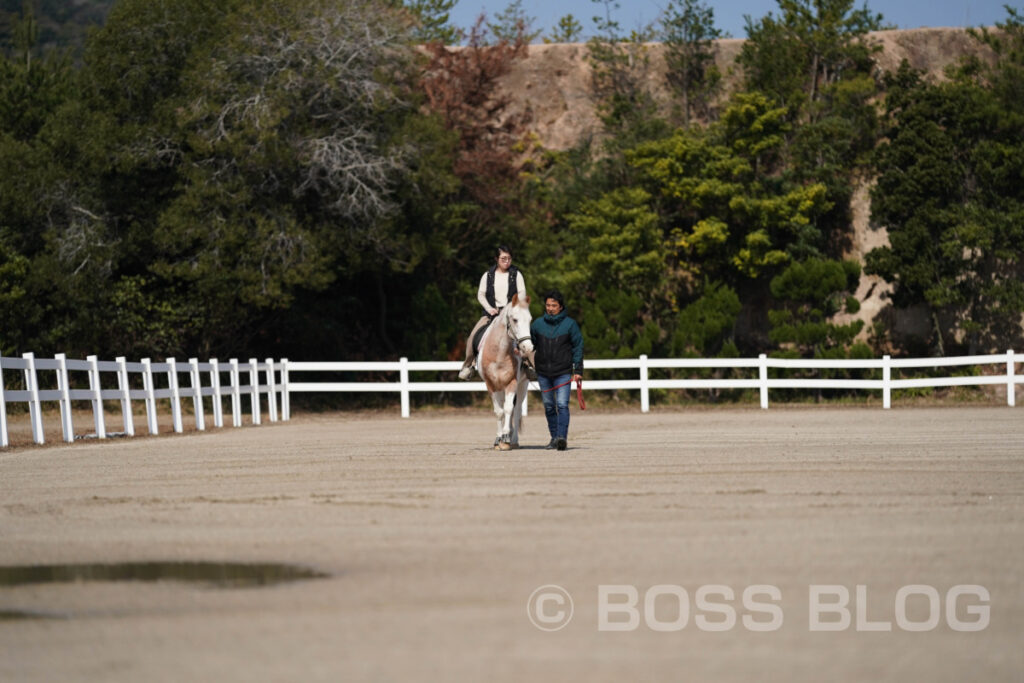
729,13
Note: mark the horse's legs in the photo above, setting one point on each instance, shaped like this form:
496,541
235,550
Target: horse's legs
504,405
498,398
507,411
517,412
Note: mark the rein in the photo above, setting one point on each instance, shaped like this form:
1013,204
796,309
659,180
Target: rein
579,392
557,386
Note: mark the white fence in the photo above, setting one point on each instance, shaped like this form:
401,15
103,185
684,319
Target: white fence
138,382
205,380
644,383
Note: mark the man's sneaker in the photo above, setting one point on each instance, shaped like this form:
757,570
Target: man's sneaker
561,444
552,445
468,368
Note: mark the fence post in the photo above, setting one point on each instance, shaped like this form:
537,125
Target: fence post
197,394
403,381
4,441
66,423
886,382
236,394
1011,389
271,391
762,375
149,385
286,405
34,407
218,409
126,397
254,380
645,389
96,388
172,380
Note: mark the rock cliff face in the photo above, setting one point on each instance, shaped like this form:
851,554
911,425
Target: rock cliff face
553,83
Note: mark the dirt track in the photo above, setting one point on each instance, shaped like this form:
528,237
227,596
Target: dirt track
435,544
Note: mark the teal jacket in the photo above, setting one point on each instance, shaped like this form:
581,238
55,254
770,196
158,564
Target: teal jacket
559,345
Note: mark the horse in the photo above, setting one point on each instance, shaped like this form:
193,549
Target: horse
500,363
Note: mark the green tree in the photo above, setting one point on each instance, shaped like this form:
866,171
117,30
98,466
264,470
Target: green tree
811,292
811,46
35,199
705,328
567,30
229,171
734,217
730,211
32,85
62,25
289,172
512,24
613,268
433,21
688,31
949,193
620,75
816,60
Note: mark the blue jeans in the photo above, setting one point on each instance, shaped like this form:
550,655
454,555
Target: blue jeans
556,403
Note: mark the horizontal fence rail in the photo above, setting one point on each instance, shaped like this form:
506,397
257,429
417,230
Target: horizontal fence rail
758,367
48,380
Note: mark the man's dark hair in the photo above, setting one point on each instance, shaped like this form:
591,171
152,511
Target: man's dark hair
503,249
556,295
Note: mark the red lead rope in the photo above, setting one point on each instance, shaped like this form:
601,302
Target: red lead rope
579,391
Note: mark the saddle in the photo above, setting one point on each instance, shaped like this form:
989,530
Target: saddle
479,336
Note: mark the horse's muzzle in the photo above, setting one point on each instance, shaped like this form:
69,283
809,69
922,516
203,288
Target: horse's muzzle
528,352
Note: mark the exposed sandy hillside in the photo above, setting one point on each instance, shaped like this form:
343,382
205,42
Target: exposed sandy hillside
553,82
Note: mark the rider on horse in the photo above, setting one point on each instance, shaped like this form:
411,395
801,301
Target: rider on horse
498,285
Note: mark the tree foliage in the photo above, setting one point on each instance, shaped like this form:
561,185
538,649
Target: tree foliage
734,215
567,30
949,193
688,31
513,25
327,178
461,86
621,81
811,293
433,21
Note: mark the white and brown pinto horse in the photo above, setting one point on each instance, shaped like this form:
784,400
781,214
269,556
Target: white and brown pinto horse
499,362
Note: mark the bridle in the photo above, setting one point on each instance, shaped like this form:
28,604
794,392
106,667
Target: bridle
511,333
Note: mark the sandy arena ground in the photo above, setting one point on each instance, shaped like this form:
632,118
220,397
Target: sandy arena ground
435,544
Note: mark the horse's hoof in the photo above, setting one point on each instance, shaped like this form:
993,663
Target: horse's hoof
503,446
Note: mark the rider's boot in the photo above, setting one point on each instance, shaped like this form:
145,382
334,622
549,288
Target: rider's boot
468,368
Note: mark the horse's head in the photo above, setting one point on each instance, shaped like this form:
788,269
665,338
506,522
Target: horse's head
518,320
